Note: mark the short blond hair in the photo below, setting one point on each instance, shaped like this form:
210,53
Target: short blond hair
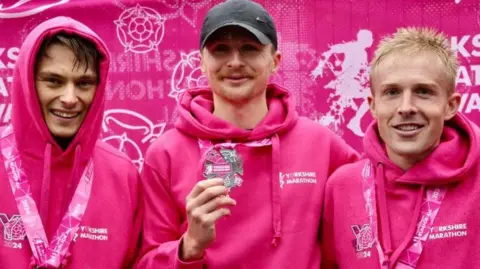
413,40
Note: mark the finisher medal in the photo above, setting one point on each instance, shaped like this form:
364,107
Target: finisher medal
224,163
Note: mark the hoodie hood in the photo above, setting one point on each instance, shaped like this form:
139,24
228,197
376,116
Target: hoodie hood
441,166
196,116
39,151
449,162
31,132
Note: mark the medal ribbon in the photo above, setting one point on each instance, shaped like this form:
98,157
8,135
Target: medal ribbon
430,207
49,255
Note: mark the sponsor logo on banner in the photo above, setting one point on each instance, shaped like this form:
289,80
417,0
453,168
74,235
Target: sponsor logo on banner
8,59
187,74
140,29
130,132
185,9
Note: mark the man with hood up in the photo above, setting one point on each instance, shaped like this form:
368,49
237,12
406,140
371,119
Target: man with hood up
239,181
67,199
414,201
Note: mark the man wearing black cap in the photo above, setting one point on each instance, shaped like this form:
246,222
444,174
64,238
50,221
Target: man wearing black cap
238,183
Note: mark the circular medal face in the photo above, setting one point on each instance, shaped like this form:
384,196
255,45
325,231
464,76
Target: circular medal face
224,163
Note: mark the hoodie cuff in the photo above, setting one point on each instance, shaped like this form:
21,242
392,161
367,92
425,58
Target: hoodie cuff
191,264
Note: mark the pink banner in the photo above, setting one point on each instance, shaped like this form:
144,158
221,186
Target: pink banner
326,48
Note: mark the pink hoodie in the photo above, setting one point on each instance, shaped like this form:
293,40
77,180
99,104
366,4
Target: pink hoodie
276,220
109,232
347,238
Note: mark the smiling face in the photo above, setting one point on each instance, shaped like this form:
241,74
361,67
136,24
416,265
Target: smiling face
411,101
237,65
65,89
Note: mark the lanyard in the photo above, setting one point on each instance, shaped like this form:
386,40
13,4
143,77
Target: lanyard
46,254
430,207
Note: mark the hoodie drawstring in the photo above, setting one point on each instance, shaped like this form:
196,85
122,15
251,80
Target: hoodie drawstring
73,179
46,180
384,218
45,191
69,190
276,198
384,221
412,228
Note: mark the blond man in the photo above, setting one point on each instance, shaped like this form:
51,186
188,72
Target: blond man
413,202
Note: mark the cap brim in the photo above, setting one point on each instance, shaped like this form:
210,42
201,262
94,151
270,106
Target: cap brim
259,35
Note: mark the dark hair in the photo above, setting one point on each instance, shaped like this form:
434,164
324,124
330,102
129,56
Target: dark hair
85,51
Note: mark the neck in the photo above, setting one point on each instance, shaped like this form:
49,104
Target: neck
63,142
406,162
245,115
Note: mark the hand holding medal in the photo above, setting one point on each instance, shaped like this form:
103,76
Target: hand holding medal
208,201
206,204
222,168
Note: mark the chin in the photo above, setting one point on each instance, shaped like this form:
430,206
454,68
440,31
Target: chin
412,150
235,97
63,134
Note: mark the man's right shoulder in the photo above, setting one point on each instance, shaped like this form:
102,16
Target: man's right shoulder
172,138
347,174
170,142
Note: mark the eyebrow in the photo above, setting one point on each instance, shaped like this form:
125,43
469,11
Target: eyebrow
49,74
416,85
427,85
56,75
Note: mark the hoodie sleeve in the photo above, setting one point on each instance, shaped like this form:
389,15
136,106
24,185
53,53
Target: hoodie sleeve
135,232
327,232
340,154
162,237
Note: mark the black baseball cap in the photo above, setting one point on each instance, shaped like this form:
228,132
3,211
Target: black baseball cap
243,13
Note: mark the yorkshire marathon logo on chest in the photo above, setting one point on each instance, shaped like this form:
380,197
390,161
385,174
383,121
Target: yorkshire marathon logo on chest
448,231
13,231
91,233
364,240
224,163
297,178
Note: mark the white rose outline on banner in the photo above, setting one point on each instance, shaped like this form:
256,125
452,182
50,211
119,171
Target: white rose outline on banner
183,8
187,74
9,12
150,132
350,82
140,29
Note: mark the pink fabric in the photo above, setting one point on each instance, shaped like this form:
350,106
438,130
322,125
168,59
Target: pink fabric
326,46
108,232
276,220
452,242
